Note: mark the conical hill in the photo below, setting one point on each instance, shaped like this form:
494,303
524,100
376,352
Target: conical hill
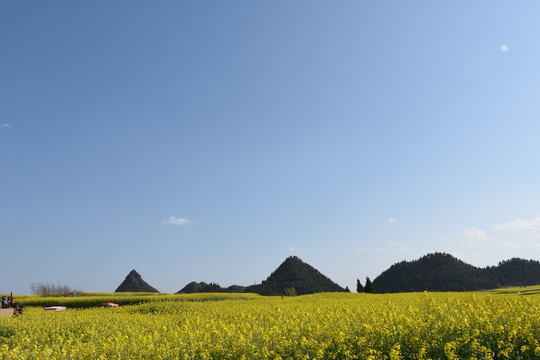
134,283
294,273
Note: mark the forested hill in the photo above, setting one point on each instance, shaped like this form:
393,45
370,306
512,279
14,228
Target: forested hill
517,272
443,272
294,273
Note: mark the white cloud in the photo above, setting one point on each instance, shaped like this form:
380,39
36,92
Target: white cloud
177,221
475,233
6,125
520,224
392,221
519,238
292,249
474,237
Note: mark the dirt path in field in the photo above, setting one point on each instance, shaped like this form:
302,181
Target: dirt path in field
6,312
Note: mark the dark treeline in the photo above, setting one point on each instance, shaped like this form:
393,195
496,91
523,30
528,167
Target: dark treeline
443,272
516,272
202,287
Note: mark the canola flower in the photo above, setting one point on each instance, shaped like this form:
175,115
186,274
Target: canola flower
321,326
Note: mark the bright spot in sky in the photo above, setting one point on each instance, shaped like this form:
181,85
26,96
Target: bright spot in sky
504,48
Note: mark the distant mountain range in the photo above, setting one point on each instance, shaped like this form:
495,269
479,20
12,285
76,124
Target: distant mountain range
444,272
432,272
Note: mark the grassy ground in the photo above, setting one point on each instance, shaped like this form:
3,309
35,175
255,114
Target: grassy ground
524,290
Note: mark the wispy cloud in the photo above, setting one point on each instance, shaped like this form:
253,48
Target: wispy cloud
476,233
518,238
292,249
520,224
392,221
474,237
6,125
177,221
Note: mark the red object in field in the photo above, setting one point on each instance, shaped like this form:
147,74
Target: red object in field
109,304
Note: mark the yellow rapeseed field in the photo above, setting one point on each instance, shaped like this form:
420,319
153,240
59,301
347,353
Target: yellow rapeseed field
323,326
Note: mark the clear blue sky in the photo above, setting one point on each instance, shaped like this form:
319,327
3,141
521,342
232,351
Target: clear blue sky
208,141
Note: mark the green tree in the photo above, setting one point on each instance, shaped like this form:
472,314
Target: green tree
290,291
369,286
359,287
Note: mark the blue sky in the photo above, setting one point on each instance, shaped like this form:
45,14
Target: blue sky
208,141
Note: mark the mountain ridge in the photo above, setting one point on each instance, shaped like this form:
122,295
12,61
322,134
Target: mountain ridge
432,272
444,272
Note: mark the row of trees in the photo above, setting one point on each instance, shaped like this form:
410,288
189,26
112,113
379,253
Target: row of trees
368,288
52,290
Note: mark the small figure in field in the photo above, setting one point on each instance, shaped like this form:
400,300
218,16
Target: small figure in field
4,302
